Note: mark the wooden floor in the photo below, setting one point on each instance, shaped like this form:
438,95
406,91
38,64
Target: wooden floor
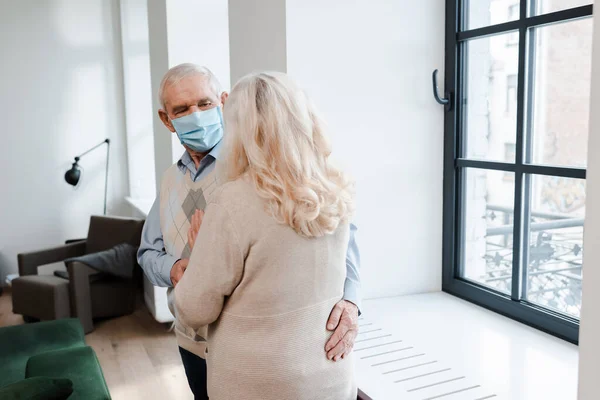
139,356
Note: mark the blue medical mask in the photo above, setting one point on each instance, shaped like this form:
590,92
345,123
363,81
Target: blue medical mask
200,131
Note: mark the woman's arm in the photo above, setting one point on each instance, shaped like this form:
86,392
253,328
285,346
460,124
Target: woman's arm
214,270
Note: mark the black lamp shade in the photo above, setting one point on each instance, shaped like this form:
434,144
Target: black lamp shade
72,176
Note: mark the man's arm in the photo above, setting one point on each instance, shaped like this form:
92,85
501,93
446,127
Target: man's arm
352,284
155,262
344,316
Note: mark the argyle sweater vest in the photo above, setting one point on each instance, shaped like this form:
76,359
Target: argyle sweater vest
180,197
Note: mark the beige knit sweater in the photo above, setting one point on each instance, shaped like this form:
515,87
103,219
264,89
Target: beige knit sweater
266,294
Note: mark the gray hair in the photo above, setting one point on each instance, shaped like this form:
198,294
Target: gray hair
181,71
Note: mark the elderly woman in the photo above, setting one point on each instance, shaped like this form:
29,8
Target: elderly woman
269,259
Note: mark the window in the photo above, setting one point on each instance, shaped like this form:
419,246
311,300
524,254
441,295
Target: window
515,158
511,94
513,14
548,6
510,152
481,13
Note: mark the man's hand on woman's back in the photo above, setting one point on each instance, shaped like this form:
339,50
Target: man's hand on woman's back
178,270
344,319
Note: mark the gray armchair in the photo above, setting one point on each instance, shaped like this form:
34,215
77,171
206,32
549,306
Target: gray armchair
83,293
42,297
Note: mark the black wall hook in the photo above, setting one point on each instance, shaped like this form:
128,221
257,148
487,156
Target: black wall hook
443,101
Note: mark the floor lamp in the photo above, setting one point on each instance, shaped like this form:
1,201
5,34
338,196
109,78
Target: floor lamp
73,175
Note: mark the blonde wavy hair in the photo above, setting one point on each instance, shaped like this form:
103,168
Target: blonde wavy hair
275,138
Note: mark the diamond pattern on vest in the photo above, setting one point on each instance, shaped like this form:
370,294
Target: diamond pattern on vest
180,198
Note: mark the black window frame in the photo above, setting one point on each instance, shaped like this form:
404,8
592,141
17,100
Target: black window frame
512,306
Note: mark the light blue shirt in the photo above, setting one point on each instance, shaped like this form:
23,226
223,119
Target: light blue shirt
157,263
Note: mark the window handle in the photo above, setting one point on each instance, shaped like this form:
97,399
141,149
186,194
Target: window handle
443,101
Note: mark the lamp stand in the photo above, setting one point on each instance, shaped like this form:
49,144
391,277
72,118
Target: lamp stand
73,175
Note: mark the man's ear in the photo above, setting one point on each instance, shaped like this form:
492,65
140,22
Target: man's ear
224,97
166,120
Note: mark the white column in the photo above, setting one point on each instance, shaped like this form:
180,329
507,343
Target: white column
257,36
589,346
159,65
198,33
138,98
181,31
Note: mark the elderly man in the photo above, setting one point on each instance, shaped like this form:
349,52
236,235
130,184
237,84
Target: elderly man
191,99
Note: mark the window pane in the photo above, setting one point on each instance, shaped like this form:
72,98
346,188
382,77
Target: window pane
555,257
548,6
488,227
490,109
562,93
480,13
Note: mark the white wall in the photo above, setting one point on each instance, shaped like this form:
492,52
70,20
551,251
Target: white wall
61,94
257,36
367,65
589,347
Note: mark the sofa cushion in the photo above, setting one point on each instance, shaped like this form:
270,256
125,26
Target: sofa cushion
120,260
93,277
18,343
38,388
79,364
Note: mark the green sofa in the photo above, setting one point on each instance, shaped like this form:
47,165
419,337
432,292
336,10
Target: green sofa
52,349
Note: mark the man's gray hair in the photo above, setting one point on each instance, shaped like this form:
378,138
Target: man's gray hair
181,71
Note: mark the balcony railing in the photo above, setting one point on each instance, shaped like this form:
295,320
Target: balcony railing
555,254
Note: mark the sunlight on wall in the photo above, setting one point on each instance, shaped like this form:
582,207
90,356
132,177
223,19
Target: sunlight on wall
87,108
68,15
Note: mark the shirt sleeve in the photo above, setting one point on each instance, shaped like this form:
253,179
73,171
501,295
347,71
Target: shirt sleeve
214,271
352,283
152,257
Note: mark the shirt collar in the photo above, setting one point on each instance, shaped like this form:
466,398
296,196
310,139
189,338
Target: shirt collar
185,160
